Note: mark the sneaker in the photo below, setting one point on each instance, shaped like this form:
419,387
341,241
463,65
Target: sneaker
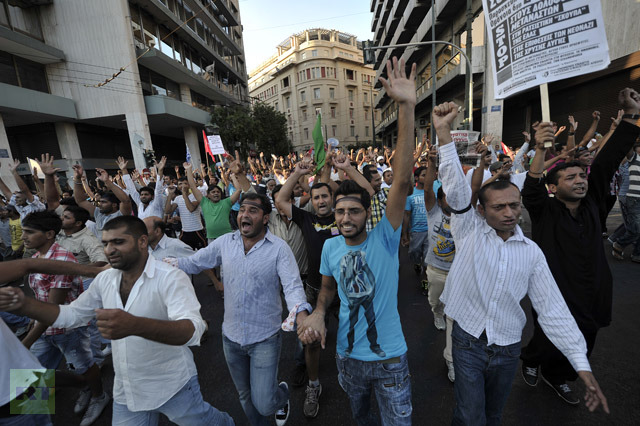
439,322
282,415
311,404
617,251
451,373
83,401
107,350
95,408
564,391
299,376
530,375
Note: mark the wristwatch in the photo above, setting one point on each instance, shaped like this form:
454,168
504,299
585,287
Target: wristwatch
632,116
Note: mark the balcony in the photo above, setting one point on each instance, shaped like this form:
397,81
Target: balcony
352,83
318,101
30,3
20,106
285,90
167,115
28,47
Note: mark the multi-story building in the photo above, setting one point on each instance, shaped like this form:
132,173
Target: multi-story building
178,58
397,22
319,71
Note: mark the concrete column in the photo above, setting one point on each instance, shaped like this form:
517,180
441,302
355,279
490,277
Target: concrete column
139,136
185,94
69,146
7,178
191,139
491,120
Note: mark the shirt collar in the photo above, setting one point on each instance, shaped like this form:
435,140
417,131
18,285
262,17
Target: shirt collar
517,232
75,234
162,243
268,236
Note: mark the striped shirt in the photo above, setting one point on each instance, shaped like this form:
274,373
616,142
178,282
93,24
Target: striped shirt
634,176
489,277
252,284
190,220
378,207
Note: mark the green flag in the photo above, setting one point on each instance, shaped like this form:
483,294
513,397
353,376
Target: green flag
319,153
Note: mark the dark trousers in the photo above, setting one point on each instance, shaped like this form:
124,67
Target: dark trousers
554,366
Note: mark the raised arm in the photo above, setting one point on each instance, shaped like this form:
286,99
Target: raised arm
614,125
571,136
79,194
125,202
22,186
192,182
325,173
283,199
342,162
402,90
478,174
51,194
592,129
429,195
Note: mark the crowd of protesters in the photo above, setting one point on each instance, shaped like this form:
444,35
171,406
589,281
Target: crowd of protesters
100,268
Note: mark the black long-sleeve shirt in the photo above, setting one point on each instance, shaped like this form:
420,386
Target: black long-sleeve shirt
573,245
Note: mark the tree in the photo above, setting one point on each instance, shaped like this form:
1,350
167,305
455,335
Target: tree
261,125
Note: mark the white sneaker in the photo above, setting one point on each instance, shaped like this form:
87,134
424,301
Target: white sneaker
451,374
440,323
282,415
83,401
95,408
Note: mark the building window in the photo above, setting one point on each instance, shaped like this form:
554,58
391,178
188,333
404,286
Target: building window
304,55
285,82
366,130
24,20
350,74
318,111
304,115
351,113
314,53
316,93
306,133
332,93
287,102
352,130
275,106
21,72
366,114
350,95
333,112
334,130
303,96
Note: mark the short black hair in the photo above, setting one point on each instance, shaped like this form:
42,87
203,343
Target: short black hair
503,157
276,190
79,214
212,187
183,179
110,196
264,201
416,172
44,221
320,185
159,223
349,187
147,189
552,175
496,185
368,171
68,202
134,226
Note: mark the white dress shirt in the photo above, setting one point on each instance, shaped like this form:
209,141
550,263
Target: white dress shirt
155,206
170,247
489,277
147,373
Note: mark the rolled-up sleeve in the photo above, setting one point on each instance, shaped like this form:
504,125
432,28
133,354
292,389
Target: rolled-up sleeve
82,310
182,304
555,318
290,278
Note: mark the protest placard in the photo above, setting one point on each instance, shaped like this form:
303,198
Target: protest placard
215,144
535,42
33,165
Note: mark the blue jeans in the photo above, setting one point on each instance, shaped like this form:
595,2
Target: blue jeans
254,370
184,408
15,321
26,420
391,383
484,375
75,345
632,223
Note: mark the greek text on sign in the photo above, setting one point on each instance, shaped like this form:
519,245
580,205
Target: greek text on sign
465,141
540,41
215,144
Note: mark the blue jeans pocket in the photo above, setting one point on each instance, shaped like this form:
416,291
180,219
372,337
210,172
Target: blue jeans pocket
513,350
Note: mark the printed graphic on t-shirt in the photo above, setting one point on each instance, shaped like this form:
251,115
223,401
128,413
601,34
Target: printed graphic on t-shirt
444,248
359,284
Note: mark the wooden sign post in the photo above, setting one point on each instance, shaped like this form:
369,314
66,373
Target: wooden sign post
546,113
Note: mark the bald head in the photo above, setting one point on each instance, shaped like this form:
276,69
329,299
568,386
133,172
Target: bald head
155,228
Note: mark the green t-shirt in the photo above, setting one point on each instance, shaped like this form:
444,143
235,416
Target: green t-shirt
216,216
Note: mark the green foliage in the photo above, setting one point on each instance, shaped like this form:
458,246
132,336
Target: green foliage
261,125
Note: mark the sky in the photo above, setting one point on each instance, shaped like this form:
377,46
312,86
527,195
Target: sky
267,23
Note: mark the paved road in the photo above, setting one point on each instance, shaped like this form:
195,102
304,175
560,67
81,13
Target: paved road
613,361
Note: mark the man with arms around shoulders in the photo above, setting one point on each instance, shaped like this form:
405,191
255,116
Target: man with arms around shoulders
483,296
364,269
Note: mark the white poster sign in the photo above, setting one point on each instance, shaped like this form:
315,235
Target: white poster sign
33,165
465,141
215,144
540,41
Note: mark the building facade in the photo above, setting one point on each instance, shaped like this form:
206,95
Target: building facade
462,22
319,71
172,60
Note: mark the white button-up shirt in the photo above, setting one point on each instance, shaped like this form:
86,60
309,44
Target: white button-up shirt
489,277
155,207
147,373
170,247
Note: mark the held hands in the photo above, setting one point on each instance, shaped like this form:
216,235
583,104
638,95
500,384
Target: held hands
115,324
400,88
312,329
593,396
